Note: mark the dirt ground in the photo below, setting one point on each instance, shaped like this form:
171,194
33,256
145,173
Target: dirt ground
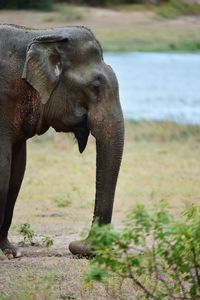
94,18
56,173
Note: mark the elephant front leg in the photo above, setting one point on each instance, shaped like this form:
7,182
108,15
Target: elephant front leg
5,166
17,173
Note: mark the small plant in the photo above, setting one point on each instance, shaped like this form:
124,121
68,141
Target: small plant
29,237
47,241
157,252
28,234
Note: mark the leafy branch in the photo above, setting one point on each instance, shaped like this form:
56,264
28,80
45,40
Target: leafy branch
160,254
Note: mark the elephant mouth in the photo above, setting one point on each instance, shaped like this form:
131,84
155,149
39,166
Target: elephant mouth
81,133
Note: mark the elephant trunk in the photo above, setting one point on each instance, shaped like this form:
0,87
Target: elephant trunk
109,134
105,121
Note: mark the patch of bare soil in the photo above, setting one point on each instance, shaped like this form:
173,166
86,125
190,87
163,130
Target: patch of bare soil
67,273
91,17
94,18
62,225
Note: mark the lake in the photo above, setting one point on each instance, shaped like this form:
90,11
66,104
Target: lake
158,86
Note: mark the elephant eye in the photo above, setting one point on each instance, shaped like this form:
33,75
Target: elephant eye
95,88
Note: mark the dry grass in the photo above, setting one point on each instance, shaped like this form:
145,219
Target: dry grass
161,160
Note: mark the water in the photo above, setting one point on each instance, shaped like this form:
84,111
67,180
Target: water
158,86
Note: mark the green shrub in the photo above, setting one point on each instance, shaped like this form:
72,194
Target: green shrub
103,2
158,252
26,4
27,233
47,241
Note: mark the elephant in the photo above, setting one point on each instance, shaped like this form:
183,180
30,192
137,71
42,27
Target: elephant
57,78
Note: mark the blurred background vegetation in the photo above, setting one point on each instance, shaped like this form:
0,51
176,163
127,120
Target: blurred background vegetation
170,6
163,8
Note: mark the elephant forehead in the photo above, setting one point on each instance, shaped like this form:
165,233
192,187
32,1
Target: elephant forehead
85,52
75,33
81,33
84,40
90,48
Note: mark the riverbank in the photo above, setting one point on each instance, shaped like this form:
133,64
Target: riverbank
118,29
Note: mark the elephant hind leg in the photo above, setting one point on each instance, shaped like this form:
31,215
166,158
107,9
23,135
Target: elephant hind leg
17,173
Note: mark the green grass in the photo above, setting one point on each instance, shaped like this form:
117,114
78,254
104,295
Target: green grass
176,8
112,43
170,9
150,46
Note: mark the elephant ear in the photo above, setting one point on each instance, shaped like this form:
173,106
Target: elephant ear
43,66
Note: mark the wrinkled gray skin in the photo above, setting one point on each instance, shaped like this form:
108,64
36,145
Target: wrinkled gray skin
56,78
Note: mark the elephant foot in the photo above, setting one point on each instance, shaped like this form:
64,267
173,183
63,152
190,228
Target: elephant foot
81,248
9,250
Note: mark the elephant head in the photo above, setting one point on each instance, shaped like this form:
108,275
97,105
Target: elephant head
79,94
